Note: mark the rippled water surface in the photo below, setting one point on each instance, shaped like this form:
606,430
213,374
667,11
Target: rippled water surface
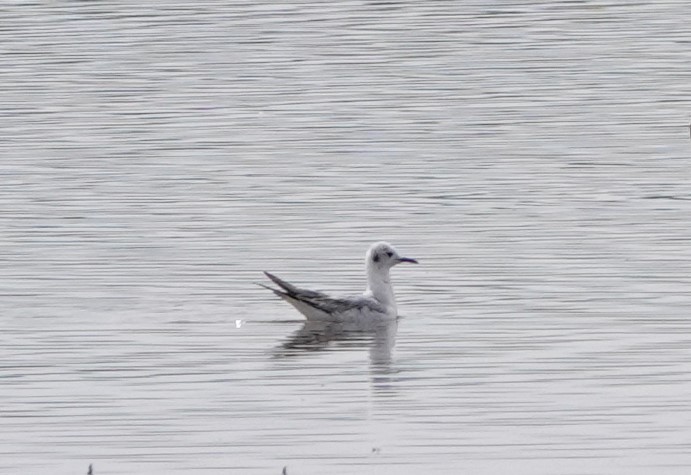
155,158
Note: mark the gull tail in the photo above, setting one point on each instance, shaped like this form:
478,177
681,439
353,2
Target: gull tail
285,290
290,290
308,302
276,291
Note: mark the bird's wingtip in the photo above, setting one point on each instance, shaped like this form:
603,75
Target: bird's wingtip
280,282
275,291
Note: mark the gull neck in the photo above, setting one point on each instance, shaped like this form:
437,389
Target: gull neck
379,285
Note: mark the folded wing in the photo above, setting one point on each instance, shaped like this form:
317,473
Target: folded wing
317,305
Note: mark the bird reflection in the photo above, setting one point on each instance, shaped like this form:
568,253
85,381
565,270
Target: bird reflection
314,336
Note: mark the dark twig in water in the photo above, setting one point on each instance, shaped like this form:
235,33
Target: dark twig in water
91,469
285,470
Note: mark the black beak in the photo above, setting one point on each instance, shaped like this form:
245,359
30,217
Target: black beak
407,259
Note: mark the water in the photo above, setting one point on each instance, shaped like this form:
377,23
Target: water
533,157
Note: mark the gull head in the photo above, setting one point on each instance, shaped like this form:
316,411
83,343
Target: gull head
383,256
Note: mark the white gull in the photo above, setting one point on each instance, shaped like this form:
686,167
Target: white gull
376,303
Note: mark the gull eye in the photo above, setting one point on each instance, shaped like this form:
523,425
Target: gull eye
390,254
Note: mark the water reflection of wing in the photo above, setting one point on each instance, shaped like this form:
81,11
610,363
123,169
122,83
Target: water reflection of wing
380,337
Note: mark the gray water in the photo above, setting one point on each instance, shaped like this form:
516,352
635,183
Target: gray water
155,158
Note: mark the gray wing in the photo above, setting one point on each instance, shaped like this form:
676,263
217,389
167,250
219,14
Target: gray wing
320,301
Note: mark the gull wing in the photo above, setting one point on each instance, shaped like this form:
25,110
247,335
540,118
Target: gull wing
317,305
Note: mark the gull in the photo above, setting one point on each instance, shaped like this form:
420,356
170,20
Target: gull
377,303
